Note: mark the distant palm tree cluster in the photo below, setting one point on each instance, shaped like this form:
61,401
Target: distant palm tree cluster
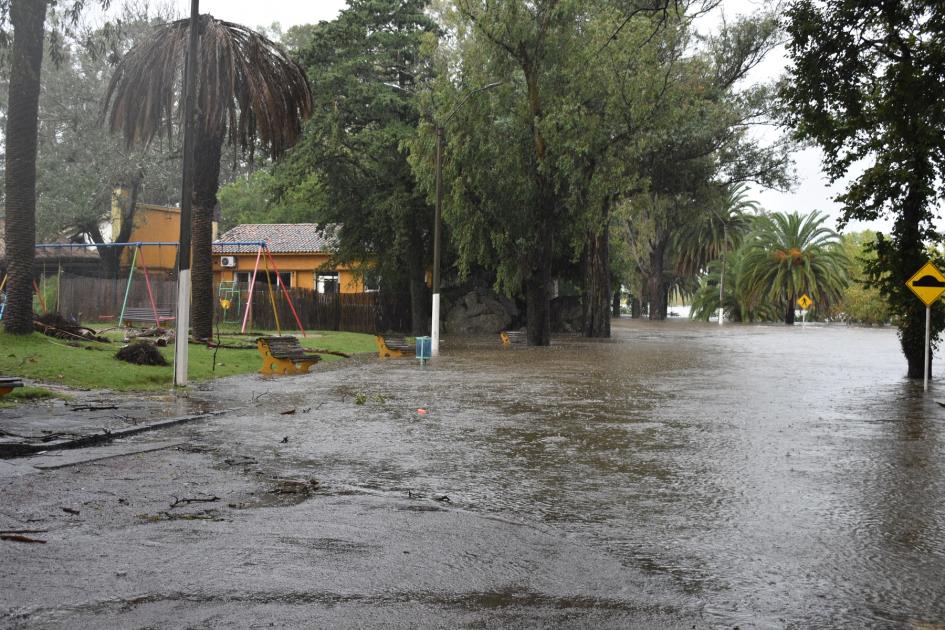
778,258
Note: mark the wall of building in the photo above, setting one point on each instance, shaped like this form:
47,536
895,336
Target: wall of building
154,224
302,267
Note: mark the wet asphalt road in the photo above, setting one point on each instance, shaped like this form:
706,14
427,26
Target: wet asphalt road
676,475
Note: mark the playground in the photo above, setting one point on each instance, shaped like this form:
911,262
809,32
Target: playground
140,296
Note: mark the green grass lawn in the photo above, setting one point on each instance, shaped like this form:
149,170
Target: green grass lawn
94,366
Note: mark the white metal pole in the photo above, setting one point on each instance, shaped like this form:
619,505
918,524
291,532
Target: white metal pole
437,230
928,326
182,342
722,275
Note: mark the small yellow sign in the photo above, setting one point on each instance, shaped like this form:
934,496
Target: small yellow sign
804,302
928,283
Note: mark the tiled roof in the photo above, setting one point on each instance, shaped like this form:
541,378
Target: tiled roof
281,238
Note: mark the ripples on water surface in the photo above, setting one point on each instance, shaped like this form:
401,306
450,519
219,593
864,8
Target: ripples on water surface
773,476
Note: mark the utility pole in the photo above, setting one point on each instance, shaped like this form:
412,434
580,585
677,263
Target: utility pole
182,342
437,245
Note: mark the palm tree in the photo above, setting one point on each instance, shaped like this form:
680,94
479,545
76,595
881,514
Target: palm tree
788,255
736,302
28,19
717,230
249,93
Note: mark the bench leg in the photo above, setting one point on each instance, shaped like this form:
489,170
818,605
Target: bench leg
382,351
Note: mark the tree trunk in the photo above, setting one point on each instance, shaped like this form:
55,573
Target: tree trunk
28,18
615,305
908,254
789,311
597,296
110,257
657,284
636,307
419,295
538,294
208,146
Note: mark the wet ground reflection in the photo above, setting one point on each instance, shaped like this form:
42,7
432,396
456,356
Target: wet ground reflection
765,475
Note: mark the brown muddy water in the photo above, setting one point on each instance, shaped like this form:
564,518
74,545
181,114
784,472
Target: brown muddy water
760,476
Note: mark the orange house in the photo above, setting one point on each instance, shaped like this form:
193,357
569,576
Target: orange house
152,224
301,252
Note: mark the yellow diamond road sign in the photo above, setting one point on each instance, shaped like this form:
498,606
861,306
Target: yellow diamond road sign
804,302
928,283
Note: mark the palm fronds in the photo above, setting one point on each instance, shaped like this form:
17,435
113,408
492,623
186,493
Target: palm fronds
247,84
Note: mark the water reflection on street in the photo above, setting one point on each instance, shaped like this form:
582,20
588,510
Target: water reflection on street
763,475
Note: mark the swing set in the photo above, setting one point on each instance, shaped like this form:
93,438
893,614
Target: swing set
263,254
160,314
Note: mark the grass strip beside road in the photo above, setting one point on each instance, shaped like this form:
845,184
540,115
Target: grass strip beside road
88,365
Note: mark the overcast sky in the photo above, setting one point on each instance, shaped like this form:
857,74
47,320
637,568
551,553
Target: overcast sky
811,193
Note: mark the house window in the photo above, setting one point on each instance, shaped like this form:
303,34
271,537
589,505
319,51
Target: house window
285,277
326,283
372,282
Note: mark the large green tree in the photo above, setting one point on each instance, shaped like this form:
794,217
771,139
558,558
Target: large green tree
600,103
530,167
351,167
867,84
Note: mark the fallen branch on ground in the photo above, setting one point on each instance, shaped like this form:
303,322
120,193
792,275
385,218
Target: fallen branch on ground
193,500
23,539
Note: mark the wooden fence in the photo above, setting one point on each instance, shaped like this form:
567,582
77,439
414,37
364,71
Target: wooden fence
92,299
351,312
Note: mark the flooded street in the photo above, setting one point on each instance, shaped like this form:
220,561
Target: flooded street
763,476
678,475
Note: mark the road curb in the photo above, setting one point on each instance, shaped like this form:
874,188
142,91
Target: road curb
12,450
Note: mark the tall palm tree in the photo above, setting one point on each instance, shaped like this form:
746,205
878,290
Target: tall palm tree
720,228
249,94
28,19
788,255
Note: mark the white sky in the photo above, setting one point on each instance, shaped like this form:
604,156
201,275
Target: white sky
254,13
811,193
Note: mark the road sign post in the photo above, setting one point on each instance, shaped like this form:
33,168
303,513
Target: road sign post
928,329
805,303
928,284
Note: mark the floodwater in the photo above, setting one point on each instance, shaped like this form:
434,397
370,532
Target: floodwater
759,476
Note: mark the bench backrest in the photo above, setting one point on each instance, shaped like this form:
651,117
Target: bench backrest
283,347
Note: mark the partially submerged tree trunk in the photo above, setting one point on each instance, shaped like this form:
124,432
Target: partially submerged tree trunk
28,18
207,153
789,311
597,294
538,294
657,289
419,295
615,305
909,255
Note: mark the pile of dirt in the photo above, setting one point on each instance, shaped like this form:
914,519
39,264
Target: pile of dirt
55,325
141,353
